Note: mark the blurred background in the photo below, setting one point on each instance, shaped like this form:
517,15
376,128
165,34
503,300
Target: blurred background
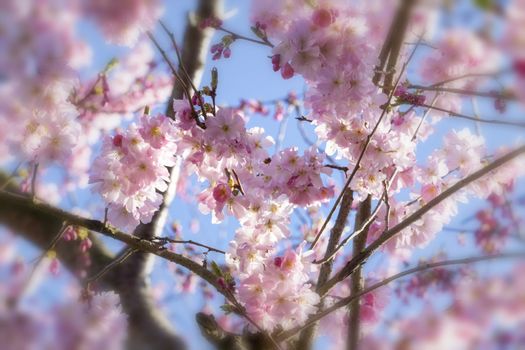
437,308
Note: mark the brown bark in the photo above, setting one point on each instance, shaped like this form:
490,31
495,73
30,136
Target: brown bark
148,327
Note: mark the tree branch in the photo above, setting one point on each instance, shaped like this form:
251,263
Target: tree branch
358,260
422,267
40,229
39,208
504,95
357,282
480,120
133,274
307,335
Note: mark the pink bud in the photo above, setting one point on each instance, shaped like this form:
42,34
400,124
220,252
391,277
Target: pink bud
519,67
85,244
278,261
222,283
117,140
287,71
54,267
322,18
70,234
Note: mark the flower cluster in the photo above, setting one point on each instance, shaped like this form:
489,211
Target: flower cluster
123,24
281,296
245,181
371,306
132,168
463,154
335,48
99,324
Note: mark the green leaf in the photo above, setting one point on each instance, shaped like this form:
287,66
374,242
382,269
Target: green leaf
228,308
216,269
483,4
227,40
214,78
111,64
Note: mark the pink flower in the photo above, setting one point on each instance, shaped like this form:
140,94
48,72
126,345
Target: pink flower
123,24
221,193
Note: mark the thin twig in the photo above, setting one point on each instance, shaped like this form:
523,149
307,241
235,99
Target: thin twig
236,36
33,180
505,96
469,75
38,260
337,167
179,79
387,204
119,260
179,57
189,241
468,117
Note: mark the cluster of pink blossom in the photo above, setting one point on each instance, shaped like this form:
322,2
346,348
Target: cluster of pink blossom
280,295
244,181
58,118
498,221
236,163
99,324
459,56
463,154
337,57
123,24
459,52
487,313
39,37
132,168
372,305
125,86
27,324
96,324
46,125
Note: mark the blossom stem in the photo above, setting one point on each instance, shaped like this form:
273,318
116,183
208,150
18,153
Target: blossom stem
177,76
119,260
470,75
37,262
464,116
242,37
506,96
177,241
33,179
